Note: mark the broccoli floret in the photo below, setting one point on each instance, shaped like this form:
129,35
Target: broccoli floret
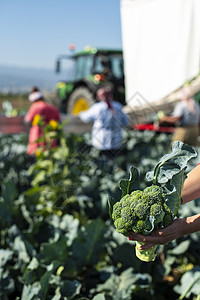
124,212
116,210
120,226
142,209
125,198
139,227
157,212
136,197
136,194
128,217
127,202
154,194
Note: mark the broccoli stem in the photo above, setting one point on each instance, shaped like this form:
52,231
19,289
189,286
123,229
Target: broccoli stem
145,255
156,172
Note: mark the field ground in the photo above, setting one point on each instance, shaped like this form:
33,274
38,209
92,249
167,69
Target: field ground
20,101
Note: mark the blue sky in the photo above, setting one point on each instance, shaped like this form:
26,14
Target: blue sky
34,32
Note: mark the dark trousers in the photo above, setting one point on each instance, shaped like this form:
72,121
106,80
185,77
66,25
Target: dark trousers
112,153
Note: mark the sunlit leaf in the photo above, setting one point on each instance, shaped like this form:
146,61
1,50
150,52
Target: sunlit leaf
5,255
132,184
189,284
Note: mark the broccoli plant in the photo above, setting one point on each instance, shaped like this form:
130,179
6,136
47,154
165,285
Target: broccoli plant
157,205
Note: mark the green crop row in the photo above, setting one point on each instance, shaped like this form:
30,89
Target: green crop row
57,240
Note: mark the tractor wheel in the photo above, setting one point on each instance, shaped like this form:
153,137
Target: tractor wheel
81,99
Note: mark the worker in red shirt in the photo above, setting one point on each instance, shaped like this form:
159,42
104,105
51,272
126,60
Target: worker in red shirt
41,109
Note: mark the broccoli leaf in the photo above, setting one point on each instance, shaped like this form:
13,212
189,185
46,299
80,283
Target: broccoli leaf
170,173
149,225
172,191
172,163
189,284
127,186
111,202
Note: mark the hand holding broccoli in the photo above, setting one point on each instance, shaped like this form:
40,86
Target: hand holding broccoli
139,212
160,236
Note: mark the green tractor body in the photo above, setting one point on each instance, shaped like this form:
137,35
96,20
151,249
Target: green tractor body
88,71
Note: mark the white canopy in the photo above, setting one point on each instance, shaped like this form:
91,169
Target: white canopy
161,46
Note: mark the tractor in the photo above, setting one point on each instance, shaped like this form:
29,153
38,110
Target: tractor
88,71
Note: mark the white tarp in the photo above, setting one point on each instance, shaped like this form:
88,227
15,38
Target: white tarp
161,46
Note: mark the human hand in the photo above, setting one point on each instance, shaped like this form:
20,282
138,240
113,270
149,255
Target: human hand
163,119
159,236
160,116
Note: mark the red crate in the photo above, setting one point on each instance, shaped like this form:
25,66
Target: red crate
153,127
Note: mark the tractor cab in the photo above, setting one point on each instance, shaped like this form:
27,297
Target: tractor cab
86,71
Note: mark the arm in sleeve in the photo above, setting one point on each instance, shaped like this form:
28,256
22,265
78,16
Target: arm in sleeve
178,110
191,187
125,120
88,115
29,116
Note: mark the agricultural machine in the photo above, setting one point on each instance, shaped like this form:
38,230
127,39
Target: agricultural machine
89,70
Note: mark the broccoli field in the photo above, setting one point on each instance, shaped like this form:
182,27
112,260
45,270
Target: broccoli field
57,239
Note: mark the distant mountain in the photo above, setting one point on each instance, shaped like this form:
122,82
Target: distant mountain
17,79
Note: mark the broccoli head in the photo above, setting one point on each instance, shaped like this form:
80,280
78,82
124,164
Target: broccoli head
142,211
124,213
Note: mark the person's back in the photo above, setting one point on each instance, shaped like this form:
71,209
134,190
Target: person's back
47,111
44,110
107,127
188,113
188,117
108,119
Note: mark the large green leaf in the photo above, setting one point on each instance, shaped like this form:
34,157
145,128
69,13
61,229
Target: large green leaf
9,192
69,225
125,255
44,283
5,212
6,284
120,286
111,202
172,190
5,255
35,288
170,173
70,289
8,195
99,297
61,153
30,291
23,248
53,251
89,242
39,178
127,186
190,284
172,163
180,248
